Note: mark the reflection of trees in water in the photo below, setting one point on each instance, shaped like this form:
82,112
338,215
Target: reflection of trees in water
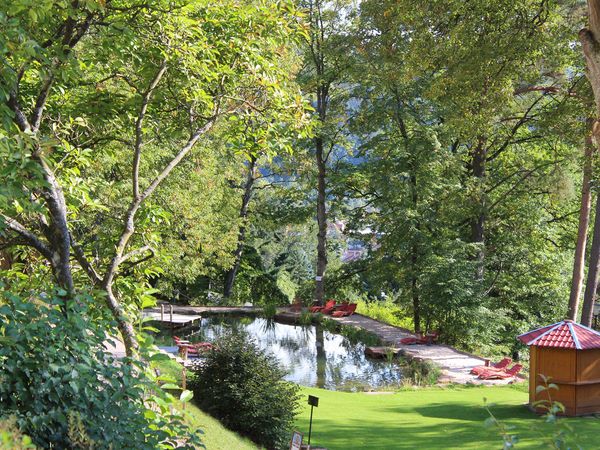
321,357
332,361
268,327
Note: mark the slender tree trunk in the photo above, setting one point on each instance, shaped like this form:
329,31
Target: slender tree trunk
591,286
321,222
414,255
478,163
231,273
5,260
582,232
590,44
414,288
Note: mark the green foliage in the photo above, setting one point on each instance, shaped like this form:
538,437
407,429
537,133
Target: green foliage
63,388
269,310
305,318
559,436
243,387
384,311
420,372
11,437
256,284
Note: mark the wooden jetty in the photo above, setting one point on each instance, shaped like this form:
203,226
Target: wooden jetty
168,316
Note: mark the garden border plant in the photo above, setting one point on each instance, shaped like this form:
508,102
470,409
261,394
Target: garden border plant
63,388
243,387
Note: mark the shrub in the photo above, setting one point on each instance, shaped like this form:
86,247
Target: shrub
420,372
385,311
11,437
243,387
63,389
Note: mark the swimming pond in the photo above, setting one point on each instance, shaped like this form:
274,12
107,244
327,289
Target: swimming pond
311,355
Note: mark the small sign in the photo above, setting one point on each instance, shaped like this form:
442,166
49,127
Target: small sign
296,442
313,401
318,278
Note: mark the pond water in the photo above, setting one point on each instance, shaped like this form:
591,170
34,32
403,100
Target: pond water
311,355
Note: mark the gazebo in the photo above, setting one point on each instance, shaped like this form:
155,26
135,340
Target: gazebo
568,354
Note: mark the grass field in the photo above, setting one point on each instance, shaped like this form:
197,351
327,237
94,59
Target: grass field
426,418
213,434
431,418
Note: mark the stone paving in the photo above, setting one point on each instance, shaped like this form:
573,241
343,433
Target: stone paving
455,364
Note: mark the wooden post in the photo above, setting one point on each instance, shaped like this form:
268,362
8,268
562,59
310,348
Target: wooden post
183,381
162,313
172,323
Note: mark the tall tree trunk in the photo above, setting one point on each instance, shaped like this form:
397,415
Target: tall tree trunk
321,223
584,220
231,273
414,288
591,286
478,163
5,260
590,44
414,255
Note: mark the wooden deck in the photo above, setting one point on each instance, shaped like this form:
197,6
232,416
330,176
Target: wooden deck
175,318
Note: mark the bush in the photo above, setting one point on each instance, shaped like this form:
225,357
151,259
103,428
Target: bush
243,387
63,389
420,372
11,437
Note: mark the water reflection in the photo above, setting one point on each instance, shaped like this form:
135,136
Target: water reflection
310,355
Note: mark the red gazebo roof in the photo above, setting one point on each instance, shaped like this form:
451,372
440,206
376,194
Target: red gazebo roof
565,334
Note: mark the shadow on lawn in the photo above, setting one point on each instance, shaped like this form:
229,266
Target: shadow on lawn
472,413
402,435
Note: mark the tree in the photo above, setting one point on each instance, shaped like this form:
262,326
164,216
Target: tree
583,228
589,38
464,155
184,78
323,79
258,137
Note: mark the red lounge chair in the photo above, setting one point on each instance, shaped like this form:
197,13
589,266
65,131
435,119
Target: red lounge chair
503,364
193,349
333,307
427,339
345,311
412,340
329,304
501,374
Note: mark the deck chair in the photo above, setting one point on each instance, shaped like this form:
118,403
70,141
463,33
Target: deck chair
328,304
501,374
422,339
333,307
345,311
501,365
193,349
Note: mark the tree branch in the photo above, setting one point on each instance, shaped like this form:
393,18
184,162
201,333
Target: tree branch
138,251
137,150
84,262
29,238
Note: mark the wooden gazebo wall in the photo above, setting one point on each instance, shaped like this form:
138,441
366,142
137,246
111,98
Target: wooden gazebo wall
575,372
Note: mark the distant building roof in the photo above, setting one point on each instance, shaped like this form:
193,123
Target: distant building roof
565,334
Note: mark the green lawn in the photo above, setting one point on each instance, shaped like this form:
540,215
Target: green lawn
430,418
214,435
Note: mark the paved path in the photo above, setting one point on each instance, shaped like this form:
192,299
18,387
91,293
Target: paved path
455,364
